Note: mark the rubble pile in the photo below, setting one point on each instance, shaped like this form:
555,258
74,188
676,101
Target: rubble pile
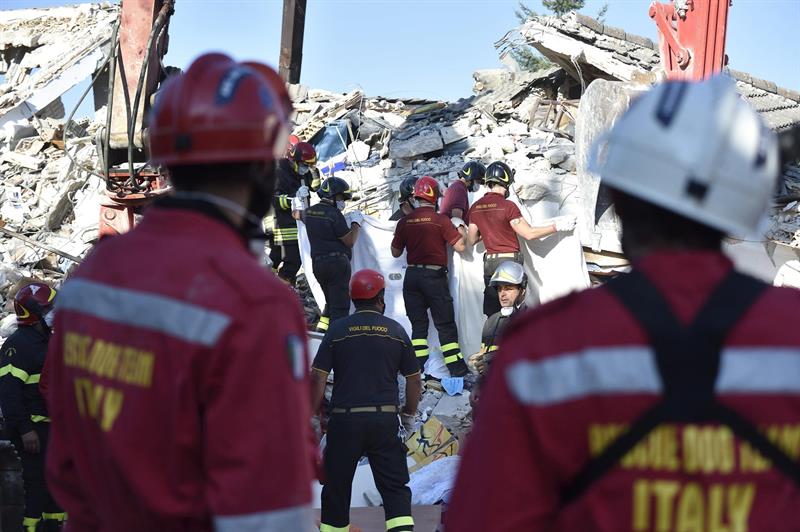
784,224
375,143
49,197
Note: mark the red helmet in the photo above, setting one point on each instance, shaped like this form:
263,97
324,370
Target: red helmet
220,111
293,141
32,302
427,188
303,152
366,284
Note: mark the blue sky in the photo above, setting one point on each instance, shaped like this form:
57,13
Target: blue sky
429,48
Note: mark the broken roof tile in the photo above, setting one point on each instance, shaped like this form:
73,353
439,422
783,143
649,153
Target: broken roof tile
614,54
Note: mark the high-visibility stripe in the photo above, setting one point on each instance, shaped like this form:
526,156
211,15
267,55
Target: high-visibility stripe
33,379
405,520
492,348
419,342
628,369
328,528
296,518
54,516
10,369
759,370
453,358
323,323
30,523
422,352
154,312
285,231
632,369
450,346
40,419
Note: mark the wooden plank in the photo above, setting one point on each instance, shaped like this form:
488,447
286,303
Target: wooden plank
292,32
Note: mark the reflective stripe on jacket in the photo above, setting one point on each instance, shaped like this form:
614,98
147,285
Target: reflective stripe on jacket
173,406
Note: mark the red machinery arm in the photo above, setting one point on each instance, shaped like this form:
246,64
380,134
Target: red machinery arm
691,36
136,73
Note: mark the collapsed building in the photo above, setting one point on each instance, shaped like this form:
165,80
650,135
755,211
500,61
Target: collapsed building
541,123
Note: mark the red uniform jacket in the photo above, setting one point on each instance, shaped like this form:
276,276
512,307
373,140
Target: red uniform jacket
573,373
178,386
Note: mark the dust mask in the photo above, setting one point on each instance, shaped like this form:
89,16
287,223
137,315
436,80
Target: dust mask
340,205
506,311
303,169
49,318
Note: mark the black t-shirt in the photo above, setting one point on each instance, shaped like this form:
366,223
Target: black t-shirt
325,225
365,350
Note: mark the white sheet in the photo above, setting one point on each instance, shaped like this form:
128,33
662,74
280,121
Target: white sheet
555,267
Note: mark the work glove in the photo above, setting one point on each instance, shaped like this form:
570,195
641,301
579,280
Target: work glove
479,361
302,192
355,217
457,222
30,442
564,223
298,204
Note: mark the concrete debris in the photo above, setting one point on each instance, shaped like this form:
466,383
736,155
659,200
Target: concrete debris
49,199
512,116
587,50
46,52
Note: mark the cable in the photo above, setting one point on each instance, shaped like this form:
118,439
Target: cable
163,15
112,53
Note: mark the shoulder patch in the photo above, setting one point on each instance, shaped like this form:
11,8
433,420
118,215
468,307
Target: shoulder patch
295,352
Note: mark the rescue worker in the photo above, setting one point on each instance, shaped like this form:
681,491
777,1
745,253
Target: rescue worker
497,221
178,381
510,282
425,235
455,203
365,351
332,237
684,344
27,423
406,196
295,180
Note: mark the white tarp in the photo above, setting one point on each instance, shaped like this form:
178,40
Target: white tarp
554,264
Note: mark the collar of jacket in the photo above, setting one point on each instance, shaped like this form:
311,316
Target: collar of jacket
195,207
684,275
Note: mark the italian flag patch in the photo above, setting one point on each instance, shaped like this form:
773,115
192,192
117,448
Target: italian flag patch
297,360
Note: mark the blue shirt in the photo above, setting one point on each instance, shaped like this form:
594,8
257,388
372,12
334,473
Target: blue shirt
325,226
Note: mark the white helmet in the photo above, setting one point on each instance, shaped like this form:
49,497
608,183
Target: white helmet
694,148
509,272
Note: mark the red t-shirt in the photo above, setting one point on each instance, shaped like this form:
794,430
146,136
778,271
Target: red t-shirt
493,214
425,234
456,197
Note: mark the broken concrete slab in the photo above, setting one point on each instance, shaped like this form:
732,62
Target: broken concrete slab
20,159
421,144
558,155
452,410
459,130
